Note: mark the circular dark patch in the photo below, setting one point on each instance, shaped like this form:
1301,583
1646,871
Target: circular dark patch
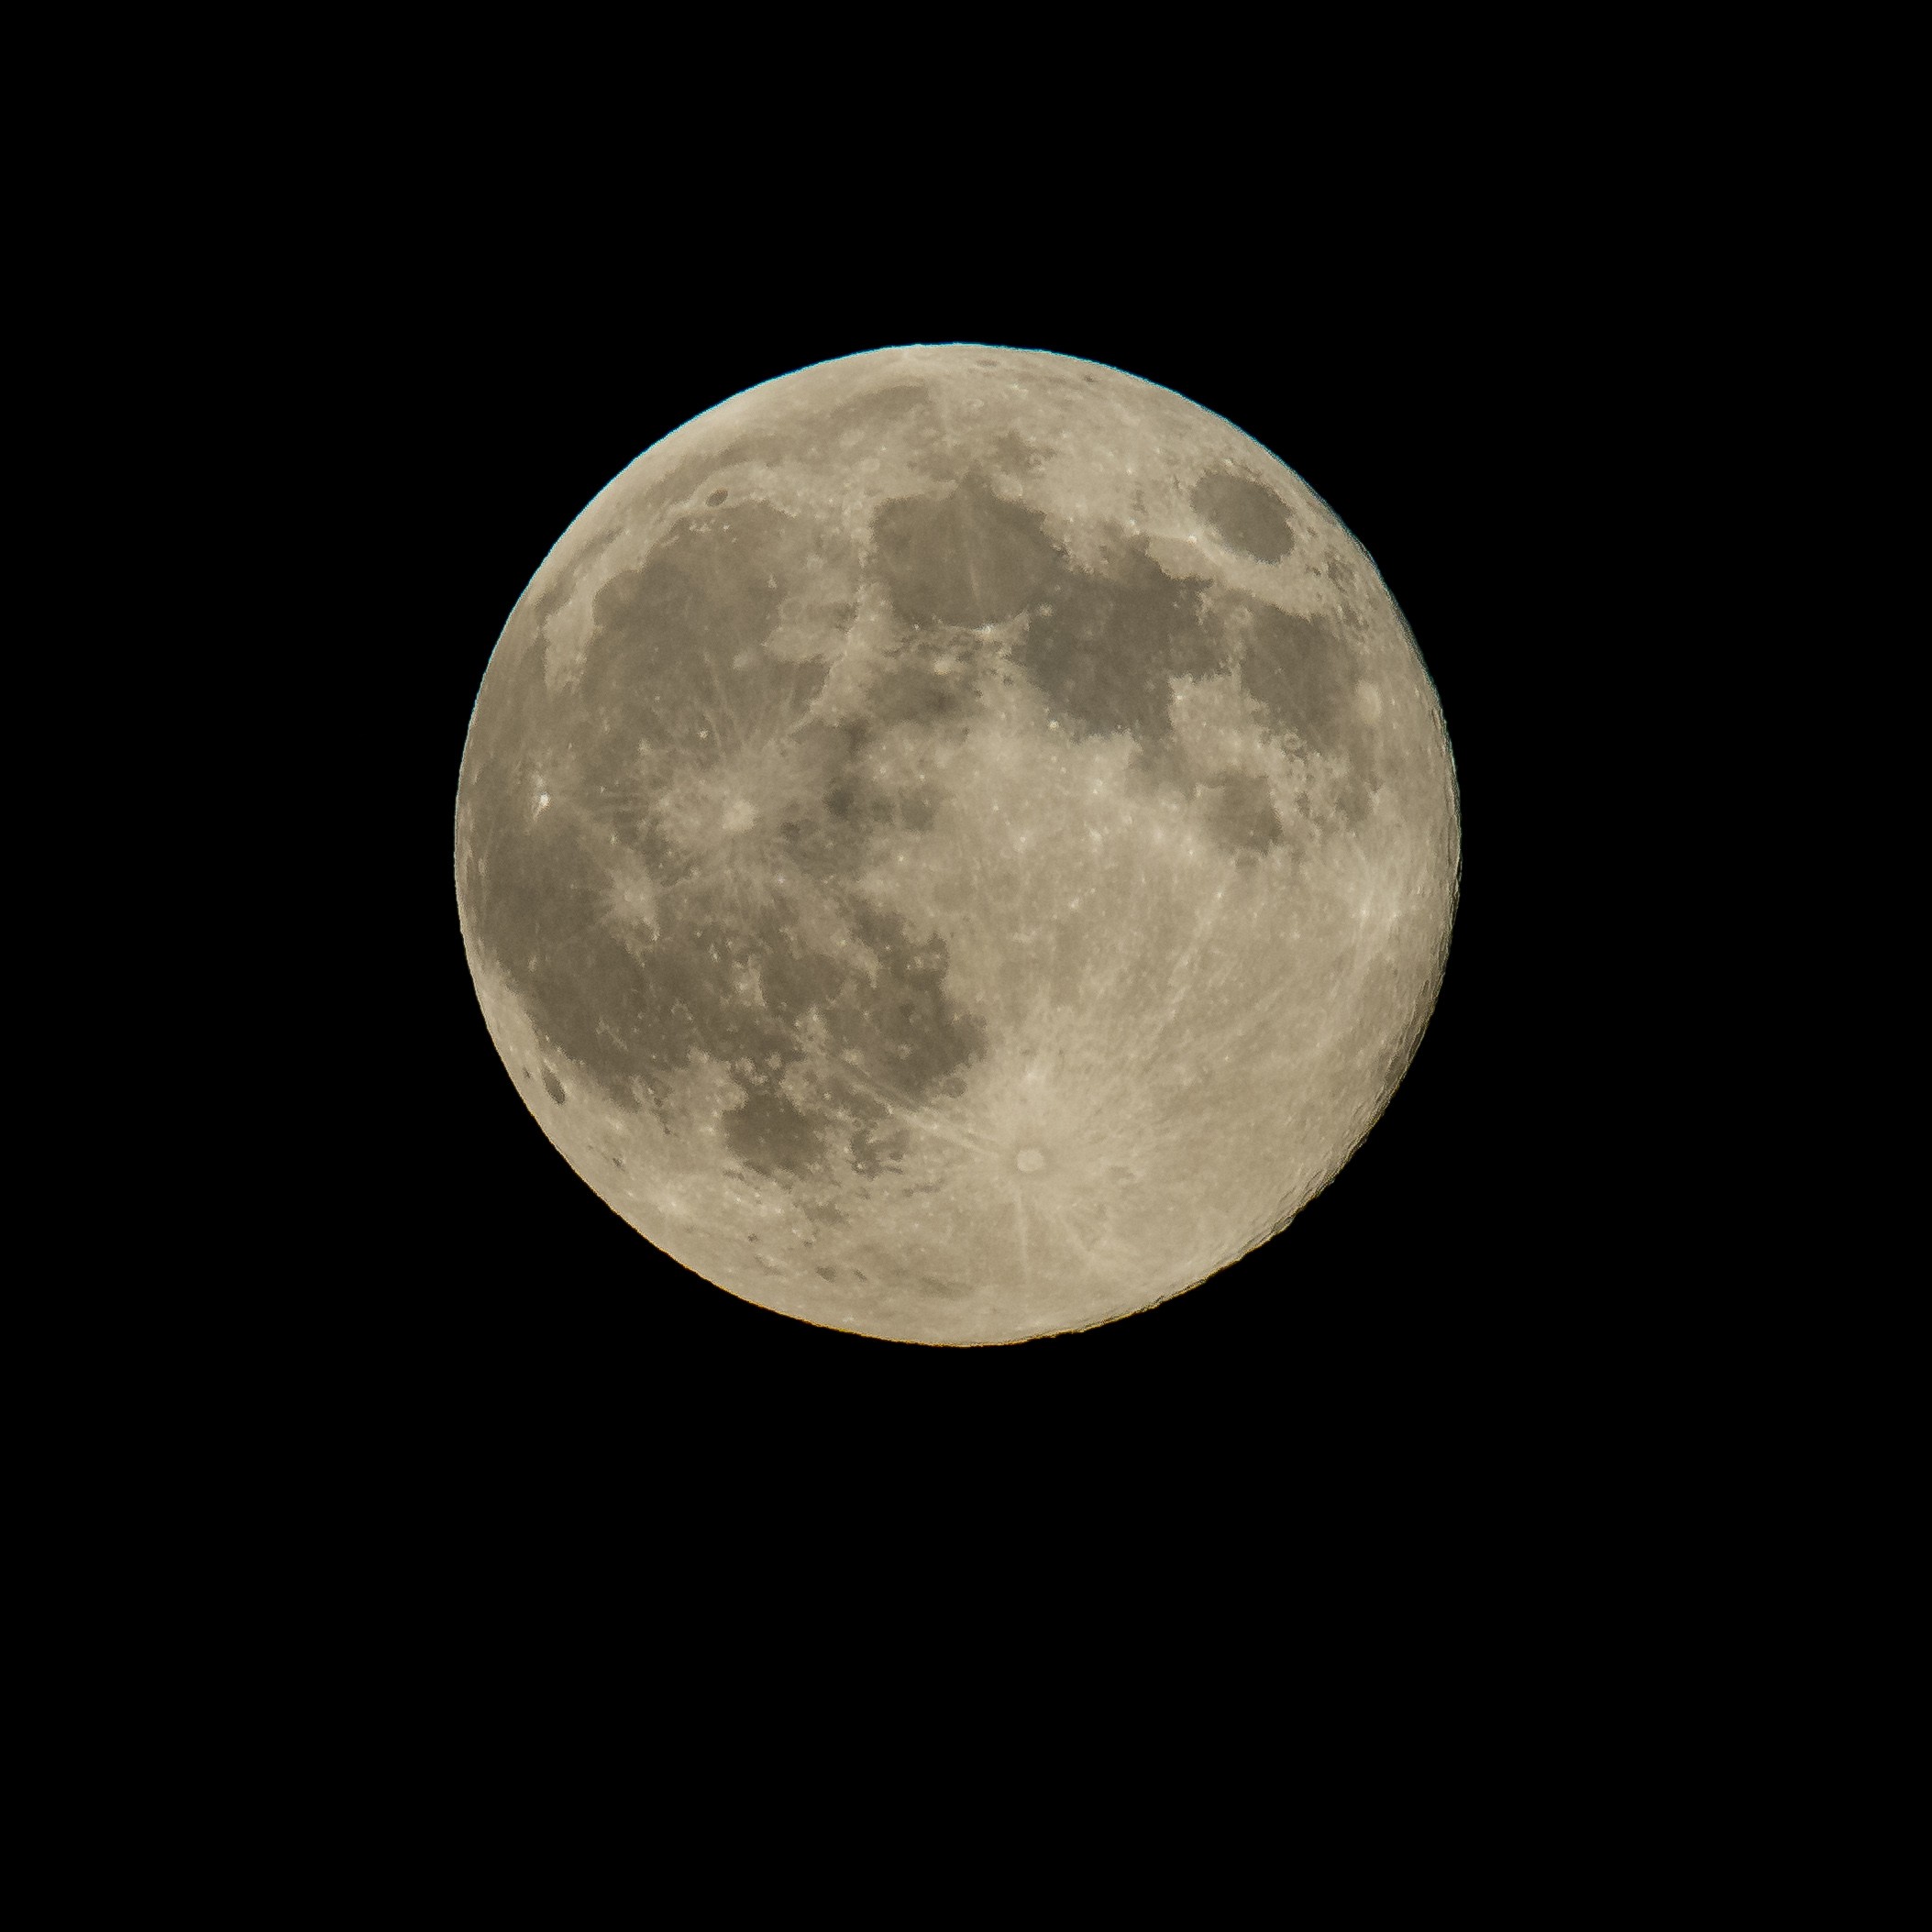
717,497
1246,516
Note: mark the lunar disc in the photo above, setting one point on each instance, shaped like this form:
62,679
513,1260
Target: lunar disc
956,845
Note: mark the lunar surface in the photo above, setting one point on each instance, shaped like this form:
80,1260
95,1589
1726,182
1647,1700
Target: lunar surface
956,845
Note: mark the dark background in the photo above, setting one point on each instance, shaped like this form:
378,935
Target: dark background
398,1414
1440,1302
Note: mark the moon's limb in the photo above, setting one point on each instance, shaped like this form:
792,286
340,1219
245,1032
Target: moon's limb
956,844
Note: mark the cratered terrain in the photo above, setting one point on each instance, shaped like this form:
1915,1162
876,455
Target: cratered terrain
956,845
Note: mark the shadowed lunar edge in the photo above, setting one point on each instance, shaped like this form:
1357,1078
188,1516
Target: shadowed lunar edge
771,670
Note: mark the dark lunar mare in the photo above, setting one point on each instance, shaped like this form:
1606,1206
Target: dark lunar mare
1302,671
1246,515
1103,646
675,676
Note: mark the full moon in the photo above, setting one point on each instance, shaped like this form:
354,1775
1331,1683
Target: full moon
956,845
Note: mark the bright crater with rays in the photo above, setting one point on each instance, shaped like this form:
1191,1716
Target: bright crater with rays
956,845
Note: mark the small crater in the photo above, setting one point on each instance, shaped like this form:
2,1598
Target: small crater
554,1086
1030,1160
826,1273
717,497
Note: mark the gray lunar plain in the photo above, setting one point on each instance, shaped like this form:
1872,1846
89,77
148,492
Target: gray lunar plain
956,844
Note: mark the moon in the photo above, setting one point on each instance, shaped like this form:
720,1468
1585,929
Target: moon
956,845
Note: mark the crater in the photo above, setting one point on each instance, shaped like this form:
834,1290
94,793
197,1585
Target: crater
1246,515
